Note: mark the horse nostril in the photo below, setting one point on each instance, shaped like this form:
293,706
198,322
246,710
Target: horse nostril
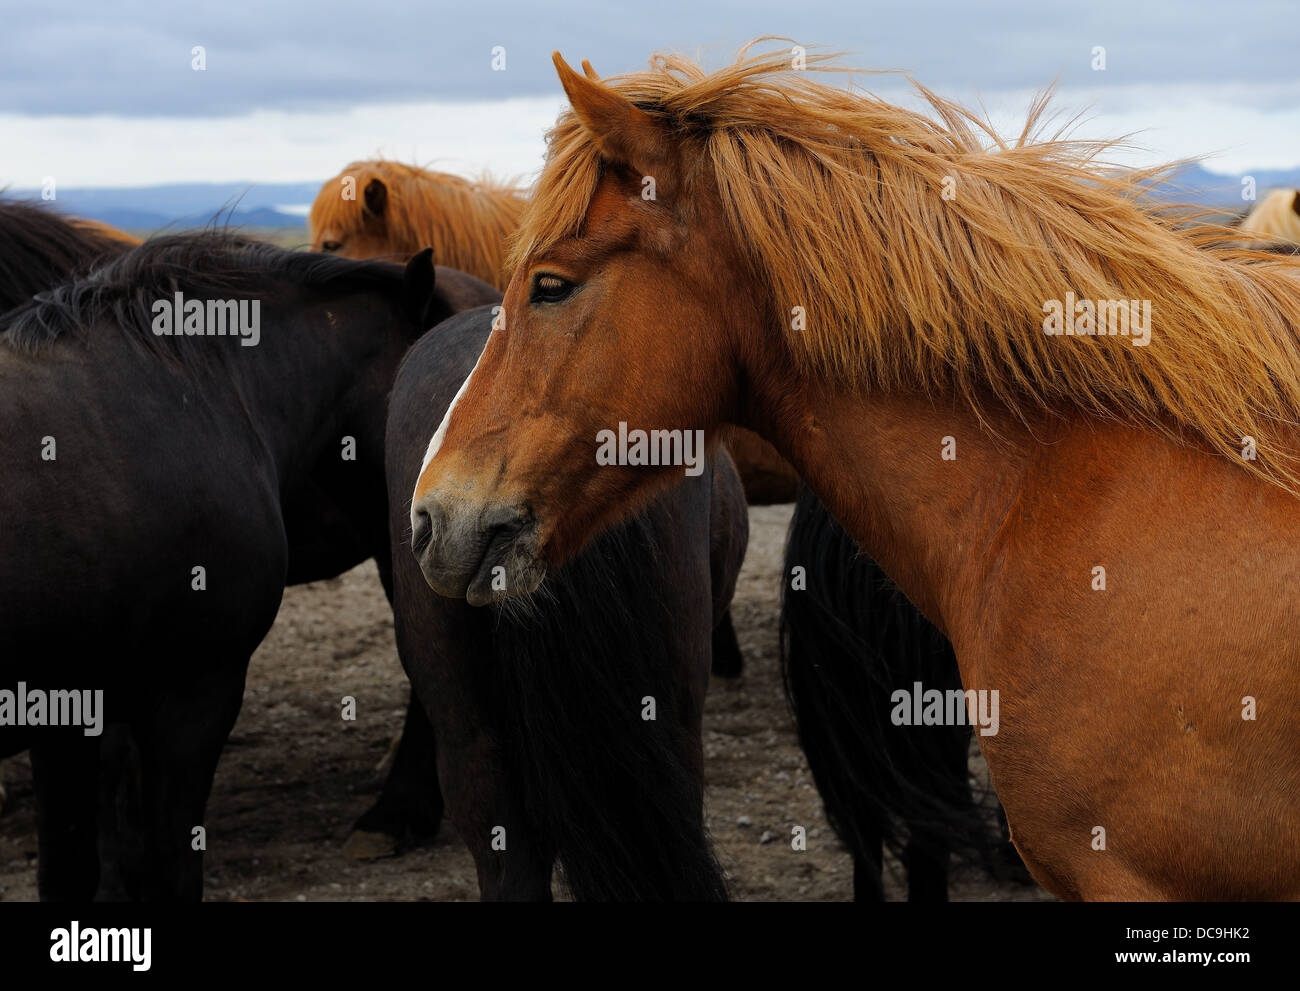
502,518
421,530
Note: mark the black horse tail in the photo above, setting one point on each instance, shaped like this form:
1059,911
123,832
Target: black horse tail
618,797
849,640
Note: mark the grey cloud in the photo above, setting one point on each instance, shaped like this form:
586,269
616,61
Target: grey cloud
132,59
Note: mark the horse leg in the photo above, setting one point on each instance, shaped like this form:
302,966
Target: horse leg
65,775
728,541
929,845
180,741
520,873
926,858
511,862
728,661
123,860
868,865
410,807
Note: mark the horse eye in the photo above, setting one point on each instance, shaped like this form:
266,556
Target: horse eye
331,245
551,289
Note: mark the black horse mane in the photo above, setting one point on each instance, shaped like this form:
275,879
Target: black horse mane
40,248
203,265
617,798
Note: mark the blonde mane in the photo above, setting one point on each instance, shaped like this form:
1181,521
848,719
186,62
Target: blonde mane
1275,217
467,224
838,199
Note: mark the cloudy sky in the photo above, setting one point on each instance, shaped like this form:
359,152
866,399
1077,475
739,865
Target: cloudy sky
104,94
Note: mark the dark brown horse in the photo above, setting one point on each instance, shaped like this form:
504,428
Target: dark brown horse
1062,422
153,521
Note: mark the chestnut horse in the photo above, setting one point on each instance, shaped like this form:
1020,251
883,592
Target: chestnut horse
1101,516
380,208
383,209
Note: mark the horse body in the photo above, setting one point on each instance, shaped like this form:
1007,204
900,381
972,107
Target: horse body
42,249
108,476
120,496
1148,733
965,540
116,529
1200,622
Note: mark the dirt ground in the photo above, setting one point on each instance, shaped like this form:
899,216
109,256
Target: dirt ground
295,776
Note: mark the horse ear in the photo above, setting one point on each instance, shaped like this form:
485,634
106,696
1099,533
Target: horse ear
419,291
375,197
625,134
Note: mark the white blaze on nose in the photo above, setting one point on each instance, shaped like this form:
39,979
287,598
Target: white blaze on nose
441,433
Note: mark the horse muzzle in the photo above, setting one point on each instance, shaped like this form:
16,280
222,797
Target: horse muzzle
482,554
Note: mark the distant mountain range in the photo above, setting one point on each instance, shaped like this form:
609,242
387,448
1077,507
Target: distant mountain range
277,205
187,205
1195,184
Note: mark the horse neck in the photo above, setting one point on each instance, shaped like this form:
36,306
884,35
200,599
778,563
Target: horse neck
876,462
315,355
